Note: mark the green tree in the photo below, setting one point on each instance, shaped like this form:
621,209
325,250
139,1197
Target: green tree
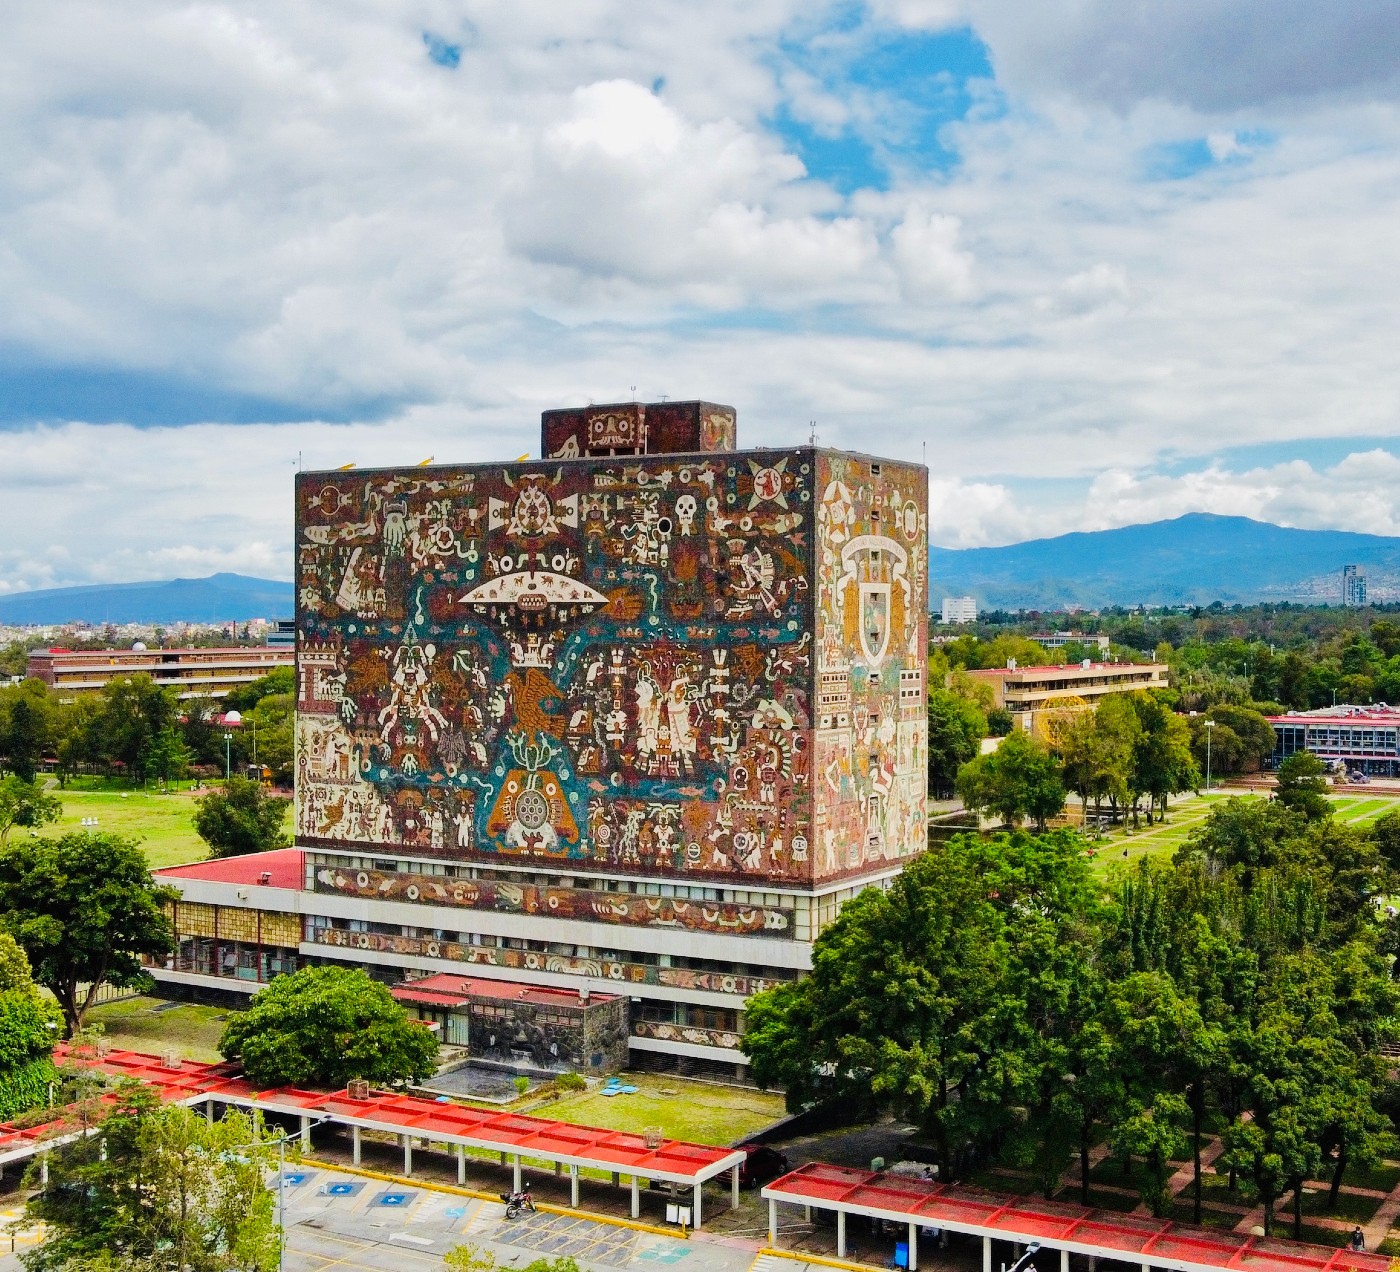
29,1026
25,803
1161,760
280,681
323,1026
1019,779
934,999
1302,785
159,1188
241,818
134,711
956,728
168,758
86,910
26,726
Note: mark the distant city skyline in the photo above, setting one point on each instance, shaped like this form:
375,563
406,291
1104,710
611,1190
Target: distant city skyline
1096,265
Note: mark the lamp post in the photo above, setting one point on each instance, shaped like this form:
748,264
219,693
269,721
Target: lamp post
228,754
1210,724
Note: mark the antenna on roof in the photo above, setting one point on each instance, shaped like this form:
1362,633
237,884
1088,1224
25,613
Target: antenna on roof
634,392
812,433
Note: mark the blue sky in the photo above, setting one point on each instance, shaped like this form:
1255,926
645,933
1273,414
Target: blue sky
1099,264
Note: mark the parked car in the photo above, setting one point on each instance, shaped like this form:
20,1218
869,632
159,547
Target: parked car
760,1165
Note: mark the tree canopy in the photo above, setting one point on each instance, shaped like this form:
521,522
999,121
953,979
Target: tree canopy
159,1188
323,1026
1017,1008
241,818
25,803
85,909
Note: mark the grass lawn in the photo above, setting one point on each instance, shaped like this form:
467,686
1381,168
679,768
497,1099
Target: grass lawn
164,823
154,1025
1349,1206
1186,815
695,1111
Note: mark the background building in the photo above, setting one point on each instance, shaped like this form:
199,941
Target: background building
648,711
1025,691
1353,586
1058,640
191,672
959,609
1364,739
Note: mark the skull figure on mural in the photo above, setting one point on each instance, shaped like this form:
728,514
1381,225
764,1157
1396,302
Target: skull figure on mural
686,508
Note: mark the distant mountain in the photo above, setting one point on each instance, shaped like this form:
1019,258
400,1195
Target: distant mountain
1192,560
218,598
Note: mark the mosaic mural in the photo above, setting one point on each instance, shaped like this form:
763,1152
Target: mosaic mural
616,664
593,905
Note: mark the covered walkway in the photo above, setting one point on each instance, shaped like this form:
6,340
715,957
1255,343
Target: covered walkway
916,1205
515,1136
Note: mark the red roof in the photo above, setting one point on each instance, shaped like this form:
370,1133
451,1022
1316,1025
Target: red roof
1060,667
447,989
1106,1234
285,865
590,1146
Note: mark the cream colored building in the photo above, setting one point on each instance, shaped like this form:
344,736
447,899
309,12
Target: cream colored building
1024,691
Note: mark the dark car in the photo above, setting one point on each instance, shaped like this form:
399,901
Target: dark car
761,1164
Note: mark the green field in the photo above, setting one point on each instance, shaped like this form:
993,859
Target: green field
701,1112
153,1025
1186,815
163,822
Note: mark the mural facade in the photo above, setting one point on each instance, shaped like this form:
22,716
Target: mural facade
700,667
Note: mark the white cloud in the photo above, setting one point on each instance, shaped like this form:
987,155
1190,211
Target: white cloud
291,201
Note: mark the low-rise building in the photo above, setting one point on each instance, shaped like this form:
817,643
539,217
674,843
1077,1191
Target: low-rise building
518,1025
959,609
1058,640
1364,739
190,672
1024,691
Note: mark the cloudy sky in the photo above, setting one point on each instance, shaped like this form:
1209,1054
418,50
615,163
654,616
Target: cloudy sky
1097,261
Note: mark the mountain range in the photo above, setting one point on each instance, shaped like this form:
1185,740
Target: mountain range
219,598
1190,560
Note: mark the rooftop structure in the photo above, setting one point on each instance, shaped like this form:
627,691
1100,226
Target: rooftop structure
191,672
1364,739
646,711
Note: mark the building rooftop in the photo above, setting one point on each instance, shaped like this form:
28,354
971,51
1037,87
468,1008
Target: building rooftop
1378,713
1061,668
446,989
283,866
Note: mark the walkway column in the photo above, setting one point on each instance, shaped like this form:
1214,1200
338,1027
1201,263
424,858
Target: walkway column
840,1234
573,1186
407,1154
503,1157
617,1178
515,1162
913,1246
772,1223
461,1163
306,1130
44,1169
1064,1260
209,1111
636,1199
734,1188
355,1145
695,1218
986,1254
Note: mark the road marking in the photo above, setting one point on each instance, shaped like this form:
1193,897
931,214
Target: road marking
408,1236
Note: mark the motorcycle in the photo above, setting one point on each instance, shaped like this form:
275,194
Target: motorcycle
518,1202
